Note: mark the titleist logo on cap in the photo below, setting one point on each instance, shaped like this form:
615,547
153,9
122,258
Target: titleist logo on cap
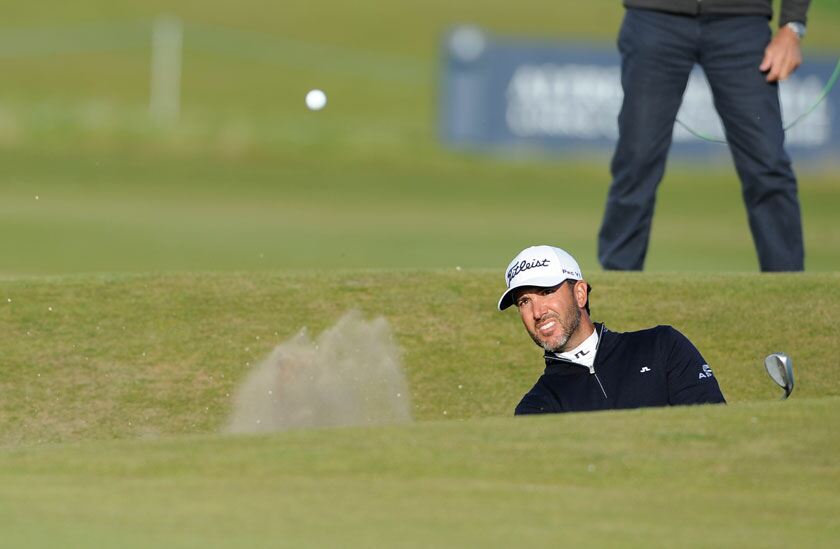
524,265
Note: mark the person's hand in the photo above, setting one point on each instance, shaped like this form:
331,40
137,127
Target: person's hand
782,56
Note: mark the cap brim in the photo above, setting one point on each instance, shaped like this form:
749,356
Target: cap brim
542,282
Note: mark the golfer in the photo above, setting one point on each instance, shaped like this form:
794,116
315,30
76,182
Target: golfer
588,367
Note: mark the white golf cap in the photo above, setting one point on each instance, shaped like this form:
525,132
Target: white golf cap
541,266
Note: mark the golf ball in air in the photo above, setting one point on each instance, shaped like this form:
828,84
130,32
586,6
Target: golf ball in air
316,100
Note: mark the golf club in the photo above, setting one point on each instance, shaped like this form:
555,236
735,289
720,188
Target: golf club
780,368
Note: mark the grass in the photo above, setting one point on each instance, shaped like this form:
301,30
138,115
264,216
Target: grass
146,268
250,180
103,356
757,474
151,213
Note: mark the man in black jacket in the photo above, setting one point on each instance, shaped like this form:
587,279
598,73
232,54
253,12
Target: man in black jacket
660,42
587,366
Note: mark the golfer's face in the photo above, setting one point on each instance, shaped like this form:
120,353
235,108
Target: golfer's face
549,314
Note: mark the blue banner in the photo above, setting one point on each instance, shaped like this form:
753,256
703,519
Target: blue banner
521,94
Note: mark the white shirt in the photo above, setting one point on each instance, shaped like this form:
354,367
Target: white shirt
584,353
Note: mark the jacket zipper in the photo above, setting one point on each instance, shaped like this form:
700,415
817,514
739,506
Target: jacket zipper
602,386
598,346
590,368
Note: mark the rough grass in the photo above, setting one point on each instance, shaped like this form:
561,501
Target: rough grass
106,356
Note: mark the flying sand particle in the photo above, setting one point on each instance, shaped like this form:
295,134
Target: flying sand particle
306,383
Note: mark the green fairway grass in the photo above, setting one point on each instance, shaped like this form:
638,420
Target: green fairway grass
248,179
104,356
67,212
762,474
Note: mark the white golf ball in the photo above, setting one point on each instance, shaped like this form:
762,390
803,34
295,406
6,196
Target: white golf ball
316,100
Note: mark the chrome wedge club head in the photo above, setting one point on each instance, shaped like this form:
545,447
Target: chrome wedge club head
780,368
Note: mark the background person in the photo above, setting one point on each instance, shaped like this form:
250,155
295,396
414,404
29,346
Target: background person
660,41
589,367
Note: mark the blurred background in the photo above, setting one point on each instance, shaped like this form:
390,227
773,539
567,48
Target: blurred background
172,136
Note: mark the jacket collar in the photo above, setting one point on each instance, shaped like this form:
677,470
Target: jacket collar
561,366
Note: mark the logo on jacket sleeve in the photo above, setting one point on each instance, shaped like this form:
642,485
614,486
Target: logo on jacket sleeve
706,373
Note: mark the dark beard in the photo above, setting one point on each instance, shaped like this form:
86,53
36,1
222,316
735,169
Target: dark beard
568,330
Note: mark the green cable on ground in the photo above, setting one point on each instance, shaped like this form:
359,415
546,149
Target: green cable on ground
825,91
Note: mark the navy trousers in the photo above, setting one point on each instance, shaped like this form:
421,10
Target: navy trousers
658,51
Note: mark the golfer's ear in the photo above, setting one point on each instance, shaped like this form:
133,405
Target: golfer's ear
581,293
